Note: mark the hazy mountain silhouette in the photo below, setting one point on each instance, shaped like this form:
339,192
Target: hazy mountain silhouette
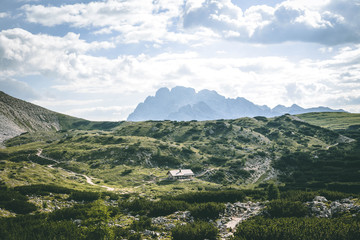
185,104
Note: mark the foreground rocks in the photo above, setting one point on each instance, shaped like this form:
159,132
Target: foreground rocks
235,213
321,207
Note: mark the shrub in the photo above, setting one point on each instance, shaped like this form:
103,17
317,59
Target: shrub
141,224
217,160
302,196
84,196
41,189
126,172
8,195
165,160
260,228
165,207
213,196
273,192
137,205
283,208
20,207
76,212
206,211
331,195
194,231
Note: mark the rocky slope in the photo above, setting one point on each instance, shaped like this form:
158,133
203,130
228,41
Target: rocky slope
17,116
184,104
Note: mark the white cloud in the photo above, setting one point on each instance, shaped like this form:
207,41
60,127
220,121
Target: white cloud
26,1
112,113
326,49
4,15
50,103
264,80
23,53
328,22
135,20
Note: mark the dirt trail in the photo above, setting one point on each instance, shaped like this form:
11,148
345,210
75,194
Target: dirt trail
88,179
39,154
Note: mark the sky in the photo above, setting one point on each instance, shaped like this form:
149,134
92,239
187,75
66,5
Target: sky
98,59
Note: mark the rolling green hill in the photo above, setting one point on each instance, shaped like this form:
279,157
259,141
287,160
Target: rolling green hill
333,120
239,153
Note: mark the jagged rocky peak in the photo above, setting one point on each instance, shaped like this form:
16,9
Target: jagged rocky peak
162,92
280,108
182,91
183,103
296,107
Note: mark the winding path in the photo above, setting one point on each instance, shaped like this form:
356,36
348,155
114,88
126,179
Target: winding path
88,179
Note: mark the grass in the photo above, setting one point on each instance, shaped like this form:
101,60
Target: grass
27,173
134,156
333,120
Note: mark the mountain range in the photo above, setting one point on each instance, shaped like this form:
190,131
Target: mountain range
185,104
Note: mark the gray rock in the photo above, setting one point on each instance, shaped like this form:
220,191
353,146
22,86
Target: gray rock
346,200
319,208
169,226
149,233
320,199
77,221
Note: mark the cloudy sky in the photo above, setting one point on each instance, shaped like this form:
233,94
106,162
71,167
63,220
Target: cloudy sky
99,59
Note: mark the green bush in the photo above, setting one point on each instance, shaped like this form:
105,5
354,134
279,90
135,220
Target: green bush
273,192
260,228
332,195
126,172
163,161
75,212
207,211
213,196
8,195
217,160
194,231
141,224
84,196
165,207
42,228
20,207
42,189
283,208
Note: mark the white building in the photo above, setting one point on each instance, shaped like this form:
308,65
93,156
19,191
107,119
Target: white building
180,174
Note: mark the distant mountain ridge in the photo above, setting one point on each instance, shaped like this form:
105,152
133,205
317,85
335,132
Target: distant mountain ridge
185,104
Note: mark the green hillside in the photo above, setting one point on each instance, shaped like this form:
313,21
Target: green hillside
333,120
238,153
112,178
